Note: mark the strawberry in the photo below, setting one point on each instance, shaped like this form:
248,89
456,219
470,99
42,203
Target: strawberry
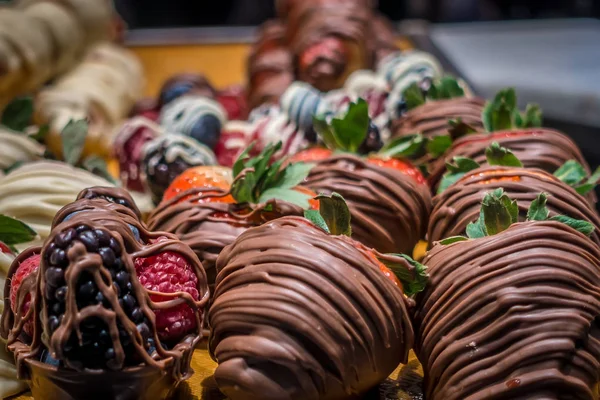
233,100
26,268
235,137
5,249
350,134
169,272
334,217
202,177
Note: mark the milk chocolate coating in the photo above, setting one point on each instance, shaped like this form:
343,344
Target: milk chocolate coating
389,209
269,69
541,148
460,203
431,119
512,316
166,367
299,314
207,227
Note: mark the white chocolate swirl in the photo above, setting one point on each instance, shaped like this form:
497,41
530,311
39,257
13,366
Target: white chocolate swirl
17,147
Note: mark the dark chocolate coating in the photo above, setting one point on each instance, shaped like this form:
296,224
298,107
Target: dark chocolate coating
431,119
269,67
541,148
299,314
460,203
513,316
389,209
165,366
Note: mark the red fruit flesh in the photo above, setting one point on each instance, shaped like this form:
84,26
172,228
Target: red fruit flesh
26,268
400,165
5,249
169,272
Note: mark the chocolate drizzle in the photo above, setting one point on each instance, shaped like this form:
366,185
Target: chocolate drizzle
431,119
389,209
207,227
299,314
512,316
536,148
116,221
460,203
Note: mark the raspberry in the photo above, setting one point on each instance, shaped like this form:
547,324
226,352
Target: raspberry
169,272
95,351
27,267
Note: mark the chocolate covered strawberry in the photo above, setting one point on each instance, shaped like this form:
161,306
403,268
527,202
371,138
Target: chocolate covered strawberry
26,271
387,196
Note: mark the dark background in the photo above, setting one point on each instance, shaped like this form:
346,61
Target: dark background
188,13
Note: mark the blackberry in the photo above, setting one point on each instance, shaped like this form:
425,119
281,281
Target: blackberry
159,166
96,350
372,142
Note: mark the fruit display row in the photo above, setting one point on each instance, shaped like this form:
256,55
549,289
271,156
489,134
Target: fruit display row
355,223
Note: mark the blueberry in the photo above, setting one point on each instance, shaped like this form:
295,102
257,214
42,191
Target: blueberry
46,358
136,232
89,240
207,130
401,108
144,330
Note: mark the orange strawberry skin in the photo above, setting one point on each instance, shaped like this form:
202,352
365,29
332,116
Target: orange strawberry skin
400,165
216,177
311,155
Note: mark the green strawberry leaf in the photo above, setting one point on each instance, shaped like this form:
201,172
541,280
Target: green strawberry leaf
14,166
538,210
18,113
316,218
498,212
590,183
325,132
410,146
336,214
446,87
351,130
238,166
412,274
413,96
452,239
459,129
582,226
97,165
41,134
438,145
571,173
498,114
294,174
456,170
73,139
13,231
289,195
497,155
531,118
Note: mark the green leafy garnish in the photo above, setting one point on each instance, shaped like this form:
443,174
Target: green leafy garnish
348,132
412,274
456,170
579,225
458,128
13,231
41,134
97,165
498,212
446,87
538,210
502,113
73,140
452,239
573,174
258,179
409,146
438,145
17,114
335,213
316,218
497,155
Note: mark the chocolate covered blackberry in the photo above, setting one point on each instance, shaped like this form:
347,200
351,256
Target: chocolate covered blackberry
168,156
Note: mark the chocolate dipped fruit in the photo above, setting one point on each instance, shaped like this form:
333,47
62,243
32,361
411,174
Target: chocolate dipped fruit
388,197
209,207
458,203
302,311
512,312
105,309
